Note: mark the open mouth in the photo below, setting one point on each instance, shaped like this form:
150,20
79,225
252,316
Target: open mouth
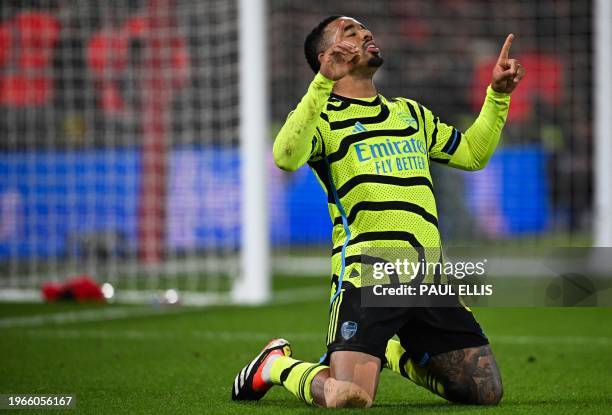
371,47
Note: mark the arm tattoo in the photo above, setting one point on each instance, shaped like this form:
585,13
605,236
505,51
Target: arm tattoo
469,375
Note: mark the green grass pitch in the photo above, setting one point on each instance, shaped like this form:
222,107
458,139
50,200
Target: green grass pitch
120,359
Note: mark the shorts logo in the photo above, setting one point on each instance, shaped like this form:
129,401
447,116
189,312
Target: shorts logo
348,329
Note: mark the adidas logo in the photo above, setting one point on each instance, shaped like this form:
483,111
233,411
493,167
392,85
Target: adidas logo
359,128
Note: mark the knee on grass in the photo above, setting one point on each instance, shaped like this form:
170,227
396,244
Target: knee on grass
342,394
487,393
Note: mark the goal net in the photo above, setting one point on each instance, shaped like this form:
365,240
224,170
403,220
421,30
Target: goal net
134,143
120,147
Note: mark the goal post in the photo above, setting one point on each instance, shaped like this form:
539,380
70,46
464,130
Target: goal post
602,91
253,283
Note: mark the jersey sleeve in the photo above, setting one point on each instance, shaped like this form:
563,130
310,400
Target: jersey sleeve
316,143
443,139
472,149
299,139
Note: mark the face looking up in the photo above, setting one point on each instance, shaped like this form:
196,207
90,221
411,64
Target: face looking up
350,30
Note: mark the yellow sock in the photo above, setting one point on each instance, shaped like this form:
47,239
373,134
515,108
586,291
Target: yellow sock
296,376
399,362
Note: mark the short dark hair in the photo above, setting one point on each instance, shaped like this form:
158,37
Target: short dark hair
313,41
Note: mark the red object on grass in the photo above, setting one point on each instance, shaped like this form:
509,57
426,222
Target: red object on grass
80,289
51,291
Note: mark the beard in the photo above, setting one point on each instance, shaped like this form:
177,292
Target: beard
375,61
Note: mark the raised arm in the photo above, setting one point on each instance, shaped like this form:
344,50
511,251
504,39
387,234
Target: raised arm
473,149
480,140
297,140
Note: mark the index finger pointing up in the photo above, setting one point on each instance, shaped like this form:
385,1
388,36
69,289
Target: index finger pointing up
503,55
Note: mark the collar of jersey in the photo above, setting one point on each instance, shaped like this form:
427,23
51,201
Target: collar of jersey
368,102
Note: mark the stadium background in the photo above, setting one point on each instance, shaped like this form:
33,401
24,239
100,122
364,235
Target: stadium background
119,159
79,109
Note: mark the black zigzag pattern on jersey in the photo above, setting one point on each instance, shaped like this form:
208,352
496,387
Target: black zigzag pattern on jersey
424,122
453,143
313,144
434,135
394,205
343,105
378,118
378,178
351,139
320,169
381,236
363,103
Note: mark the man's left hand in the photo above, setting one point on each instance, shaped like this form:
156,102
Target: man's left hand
507,73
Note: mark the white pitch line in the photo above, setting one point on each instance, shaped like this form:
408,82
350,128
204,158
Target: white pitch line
291,296
81,316
231,336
